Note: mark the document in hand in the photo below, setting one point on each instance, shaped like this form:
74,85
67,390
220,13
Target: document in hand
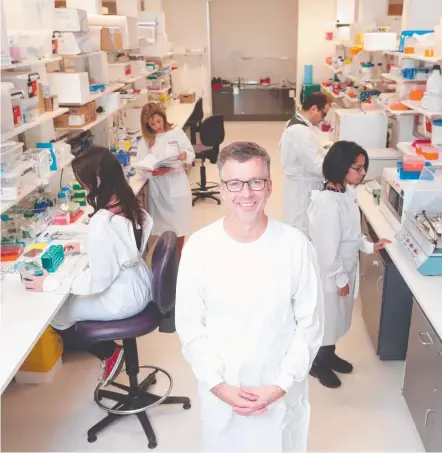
151,163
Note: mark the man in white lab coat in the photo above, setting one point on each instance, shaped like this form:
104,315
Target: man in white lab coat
249,314
301,158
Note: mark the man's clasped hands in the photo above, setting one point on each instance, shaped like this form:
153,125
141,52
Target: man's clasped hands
248,401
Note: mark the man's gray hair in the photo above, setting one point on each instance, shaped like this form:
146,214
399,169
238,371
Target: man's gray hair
243,152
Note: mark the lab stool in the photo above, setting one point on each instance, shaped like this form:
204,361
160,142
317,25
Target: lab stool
158,314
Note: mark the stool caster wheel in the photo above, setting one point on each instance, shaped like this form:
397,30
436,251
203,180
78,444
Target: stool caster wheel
152,445
187,406
91,438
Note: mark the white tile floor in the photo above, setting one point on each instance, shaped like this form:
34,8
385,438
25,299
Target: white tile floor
367,414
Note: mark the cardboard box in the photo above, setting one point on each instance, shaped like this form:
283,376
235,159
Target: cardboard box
187,98
77,116
51,104
111,39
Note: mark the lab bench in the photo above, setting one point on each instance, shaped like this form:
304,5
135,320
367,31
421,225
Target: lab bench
253,103
422,387
26,315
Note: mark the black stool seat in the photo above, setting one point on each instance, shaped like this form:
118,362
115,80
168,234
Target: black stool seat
145,322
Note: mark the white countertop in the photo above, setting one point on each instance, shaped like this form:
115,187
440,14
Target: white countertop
426,290
25,315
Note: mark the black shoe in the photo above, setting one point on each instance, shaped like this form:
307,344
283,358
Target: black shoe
340,365
326,377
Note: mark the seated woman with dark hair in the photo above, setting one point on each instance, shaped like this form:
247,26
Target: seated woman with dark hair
335,231
117,283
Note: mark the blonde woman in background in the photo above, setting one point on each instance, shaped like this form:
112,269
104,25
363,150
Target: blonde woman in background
169,194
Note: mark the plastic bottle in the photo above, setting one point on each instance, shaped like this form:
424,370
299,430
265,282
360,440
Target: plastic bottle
433,95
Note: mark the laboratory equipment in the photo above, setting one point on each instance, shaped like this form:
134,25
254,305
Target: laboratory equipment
380,159
433,95
397,195
421,232
52,259
367,129
30,267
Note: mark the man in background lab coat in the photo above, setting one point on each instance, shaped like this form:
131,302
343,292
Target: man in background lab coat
302,158
249,314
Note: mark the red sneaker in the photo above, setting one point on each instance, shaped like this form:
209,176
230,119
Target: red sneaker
112,366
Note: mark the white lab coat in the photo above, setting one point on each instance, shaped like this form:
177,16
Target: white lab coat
251,314
335,231
117,283
301,160
170,195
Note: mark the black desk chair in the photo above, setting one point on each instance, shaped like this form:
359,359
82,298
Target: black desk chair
195,120
212,135
159,313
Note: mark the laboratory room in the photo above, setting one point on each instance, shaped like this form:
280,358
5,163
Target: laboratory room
221,225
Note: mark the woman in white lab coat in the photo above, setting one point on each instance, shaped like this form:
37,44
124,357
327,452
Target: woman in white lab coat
335,231
117,283
169,194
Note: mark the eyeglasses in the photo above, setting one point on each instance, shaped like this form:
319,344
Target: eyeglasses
324,114
235,185
359,169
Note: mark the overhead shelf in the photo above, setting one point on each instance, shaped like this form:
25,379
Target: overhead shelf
416,106
29,184
43,118
32,62
398,80
412,56
110,89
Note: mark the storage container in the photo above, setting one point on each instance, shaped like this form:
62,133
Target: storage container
413,163
111,39
70,88
52,259
436,134
90,6
10,184
27,82
120,71
380,41
413,175
71,19
32,44
10,153
27,15
128,26
43,361
7,117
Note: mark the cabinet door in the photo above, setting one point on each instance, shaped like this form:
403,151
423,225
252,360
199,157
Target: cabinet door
222,102
371,294
422,382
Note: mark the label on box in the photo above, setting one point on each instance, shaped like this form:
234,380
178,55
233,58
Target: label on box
76,120
9,193
17,115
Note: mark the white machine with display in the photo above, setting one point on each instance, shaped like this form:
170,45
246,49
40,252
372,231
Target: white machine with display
397,195
421,232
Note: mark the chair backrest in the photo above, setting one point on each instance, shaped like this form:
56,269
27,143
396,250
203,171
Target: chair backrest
198,112
212,131
165,271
